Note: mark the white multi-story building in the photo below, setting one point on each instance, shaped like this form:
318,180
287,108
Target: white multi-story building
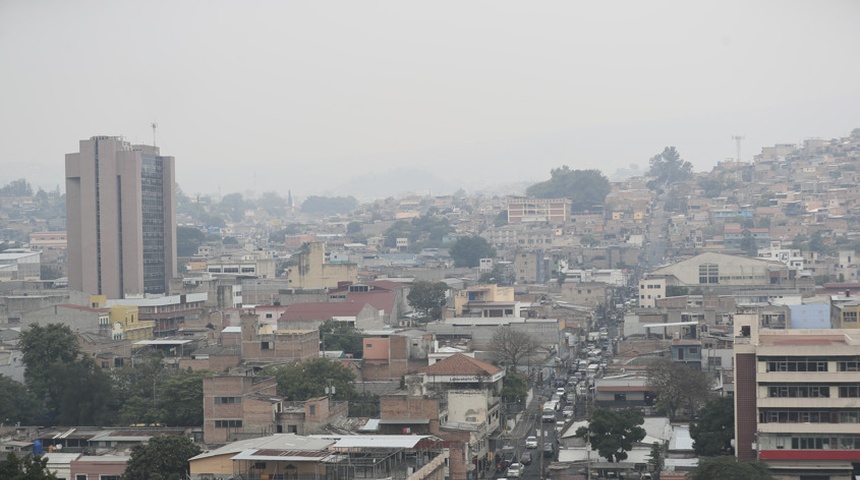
797,399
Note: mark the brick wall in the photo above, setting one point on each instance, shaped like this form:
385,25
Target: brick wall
746,418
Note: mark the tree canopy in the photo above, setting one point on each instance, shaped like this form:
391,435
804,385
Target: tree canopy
729,468
428,298
164,457
468,251
425,231
516,387
668,168
152,394
679,388
341,336
25,468
17,404
586,188
510,346
188,239
613,432
714,431
73,389
305,380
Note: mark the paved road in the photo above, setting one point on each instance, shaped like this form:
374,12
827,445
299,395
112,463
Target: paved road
528,425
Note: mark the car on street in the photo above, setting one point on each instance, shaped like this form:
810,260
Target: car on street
548,449
526,458
515,470
559,391
568,411
531,441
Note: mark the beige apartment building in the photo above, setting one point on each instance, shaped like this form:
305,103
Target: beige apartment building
552,210
121,218
796,399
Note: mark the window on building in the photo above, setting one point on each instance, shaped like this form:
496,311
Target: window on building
849,391
798,391
228,423
709,273
849,317
620,397
265,345
227,400
109,477
796,364
848,365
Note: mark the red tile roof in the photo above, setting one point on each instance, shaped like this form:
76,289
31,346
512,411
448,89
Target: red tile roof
459,364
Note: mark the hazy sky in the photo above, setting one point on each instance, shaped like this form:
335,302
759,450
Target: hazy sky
303,95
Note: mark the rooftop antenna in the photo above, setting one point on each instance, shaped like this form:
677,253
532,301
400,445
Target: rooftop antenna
155,125
737,139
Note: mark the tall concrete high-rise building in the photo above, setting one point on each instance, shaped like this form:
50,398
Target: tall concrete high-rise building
121,218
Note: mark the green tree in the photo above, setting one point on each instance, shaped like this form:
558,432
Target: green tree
511,346
17,188
25,468
163,457
17,404
353,228
668,168
234,206
74,390
613,432
655,460
501,219
729,468
149,393
816,243
180,398
586,188
516,387
468,251
82,393
188,239
678,387
309,379
336,335
714,431
748,244
272,203
428,298
498,275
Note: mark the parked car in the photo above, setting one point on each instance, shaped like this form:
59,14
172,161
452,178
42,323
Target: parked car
515,470
568,411
531,441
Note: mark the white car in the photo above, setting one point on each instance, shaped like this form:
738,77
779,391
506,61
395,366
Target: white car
559,391
531,441
515,470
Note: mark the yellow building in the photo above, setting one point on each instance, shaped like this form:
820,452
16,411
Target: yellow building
125,320
486,293
313,272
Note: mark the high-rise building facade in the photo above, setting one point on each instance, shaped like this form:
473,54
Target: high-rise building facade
797,399
121,218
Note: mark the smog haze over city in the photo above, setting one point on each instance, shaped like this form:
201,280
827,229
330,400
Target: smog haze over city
321,97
